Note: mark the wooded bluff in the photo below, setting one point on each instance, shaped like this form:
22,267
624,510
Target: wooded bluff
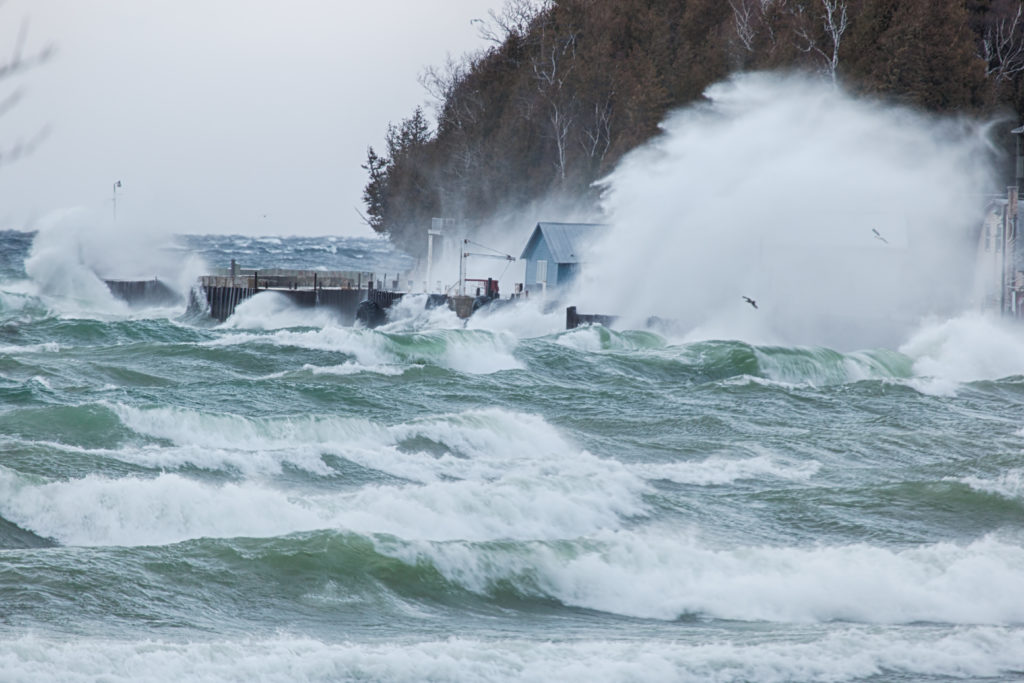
569,86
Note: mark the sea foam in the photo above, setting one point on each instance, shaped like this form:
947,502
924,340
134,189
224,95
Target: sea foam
837,655
501,476
1009,484
721,470
661,574
274,311
132,511
972,347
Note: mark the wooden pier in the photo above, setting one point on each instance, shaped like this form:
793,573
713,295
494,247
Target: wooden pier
351,295
340,291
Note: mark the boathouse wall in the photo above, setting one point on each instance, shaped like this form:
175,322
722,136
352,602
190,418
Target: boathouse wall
554,253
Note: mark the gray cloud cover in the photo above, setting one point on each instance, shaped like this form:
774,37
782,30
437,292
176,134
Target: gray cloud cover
218,116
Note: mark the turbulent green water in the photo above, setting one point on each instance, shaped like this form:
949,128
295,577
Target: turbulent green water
283,498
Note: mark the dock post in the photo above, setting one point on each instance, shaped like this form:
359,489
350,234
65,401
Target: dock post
572,321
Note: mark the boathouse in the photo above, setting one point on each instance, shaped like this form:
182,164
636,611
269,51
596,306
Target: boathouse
554,253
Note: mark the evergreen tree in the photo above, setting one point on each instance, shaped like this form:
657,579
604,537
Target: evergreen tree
375,193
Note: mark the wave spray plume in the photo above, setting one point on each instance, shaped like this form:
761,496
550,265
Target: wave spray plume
778,188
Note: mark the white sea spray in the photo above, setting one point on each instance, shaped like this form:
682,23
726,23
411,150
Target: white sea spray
772,190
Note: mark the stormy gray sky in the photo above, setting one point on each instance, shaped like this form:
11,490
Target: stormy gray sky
241,116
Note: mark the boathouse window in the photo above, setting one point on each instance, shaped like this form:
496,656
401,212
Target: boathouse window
542,271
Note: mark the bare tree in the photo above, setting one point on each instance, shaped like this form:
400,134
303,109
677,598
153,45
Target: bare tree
459,108
19,63
552,65
752,17
440,81
1002,43
744,16
596,136
513,20
836,21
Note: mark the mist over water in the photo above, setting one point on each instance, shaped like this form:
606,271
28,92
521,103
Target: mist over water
771,189
75,250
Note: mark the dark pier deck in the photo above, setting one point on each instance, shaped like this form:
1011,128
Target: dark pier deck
340,291
351,295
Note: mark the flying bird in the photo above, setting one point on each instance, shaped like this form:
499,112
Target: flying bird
878,235
750,301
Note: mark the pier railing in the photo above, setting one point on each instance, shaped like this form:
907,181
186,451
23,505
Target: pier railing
338,290
285,278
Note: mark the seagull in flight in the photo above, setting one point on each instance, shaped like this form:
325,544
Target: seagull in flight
750,301
878,235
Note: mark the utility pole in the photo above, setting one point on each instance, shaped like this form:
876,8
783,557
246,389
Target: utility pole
114,200
462,267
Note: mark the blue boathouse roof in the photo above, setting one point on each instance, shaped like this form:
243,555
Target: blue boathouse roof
566,241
